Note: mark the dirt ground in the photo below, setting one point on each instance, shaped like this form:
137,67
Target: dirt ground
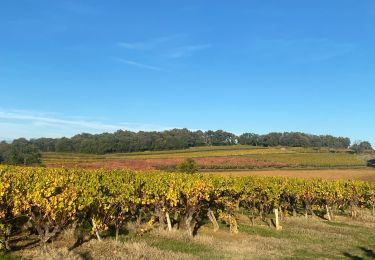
364,174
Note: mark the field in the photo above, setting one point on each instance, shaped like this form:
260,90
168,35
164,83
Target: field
363,174
232,160
230,157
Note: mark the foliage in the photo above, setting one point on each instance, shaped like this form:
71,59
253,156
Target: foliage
127,141
19,152
53,199
361,147
187,166
294,139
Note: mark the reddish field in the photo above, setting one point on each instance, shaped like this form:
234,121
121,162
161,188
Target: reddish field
204,163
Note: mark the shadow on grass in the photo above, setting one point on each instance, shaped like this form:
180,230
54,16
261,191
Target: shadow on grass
367,254
28,244
371,163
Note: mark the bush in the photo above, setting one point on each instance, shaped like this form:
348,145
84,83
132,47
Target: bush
362,147
187,166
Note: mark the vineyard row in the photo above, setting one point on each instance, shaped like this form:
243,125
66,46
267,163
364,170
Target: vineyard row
45,201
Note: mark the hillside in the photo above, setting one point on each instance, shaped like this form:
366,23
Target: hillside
209,158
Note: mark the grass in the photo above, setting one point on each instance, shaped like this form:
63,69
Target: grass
314,159
204,151
301,238
182,246
213,151
7,257
364,174
262,231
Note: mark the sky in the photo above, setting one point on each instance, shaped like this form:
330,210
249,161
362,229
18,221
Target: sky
72,66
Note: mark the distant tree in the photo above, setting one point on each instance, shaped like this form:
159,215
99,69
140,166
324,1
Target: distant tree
220,137
249,139
65,145
21,152
271,139
361,147
316,141
4,146
45,144
187,166
342,142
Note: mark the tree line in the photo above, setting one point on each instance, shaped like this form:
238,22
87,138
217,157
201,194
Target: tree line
127,141
22,151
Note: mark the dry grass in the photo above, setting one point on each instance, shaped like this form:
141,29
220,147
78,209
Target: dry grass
364,174
107,249
311,238
288,155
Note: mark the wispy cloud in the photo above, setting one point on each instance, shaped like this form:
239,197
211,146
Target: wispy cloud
139,65
162,49
148,44
14,124
187,51
43,119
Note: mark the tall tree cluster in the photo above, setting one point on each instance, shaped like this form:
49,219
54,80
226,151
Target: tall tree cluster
19,152
294,139
362,147
127,141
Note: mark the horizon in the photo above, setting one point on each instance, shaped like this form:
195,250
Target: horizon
70,67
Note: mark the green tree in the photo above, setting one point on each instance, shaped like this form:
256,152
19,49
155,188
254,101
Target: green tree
20,152
4,146
361,147
65,145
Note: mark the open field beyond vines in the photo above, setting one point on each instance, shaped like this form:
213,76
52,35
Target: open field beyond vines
363,174
221,158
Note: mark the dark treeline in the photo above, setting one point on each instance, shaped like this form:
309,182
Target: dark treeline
294,139
127,141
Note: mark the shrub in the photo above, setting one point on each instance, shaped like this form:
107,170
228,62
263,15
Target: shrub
187,166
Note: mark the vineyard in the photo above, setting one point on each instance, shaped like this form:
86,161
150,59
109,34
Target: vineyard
45,202
239,157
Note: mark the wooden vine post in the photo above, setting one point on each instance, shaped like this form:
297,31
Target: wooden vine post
277,223
328,213
212,218
168,221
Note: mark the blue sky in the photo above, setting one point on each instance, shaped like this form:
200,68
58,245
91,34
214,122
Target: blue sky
242,66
